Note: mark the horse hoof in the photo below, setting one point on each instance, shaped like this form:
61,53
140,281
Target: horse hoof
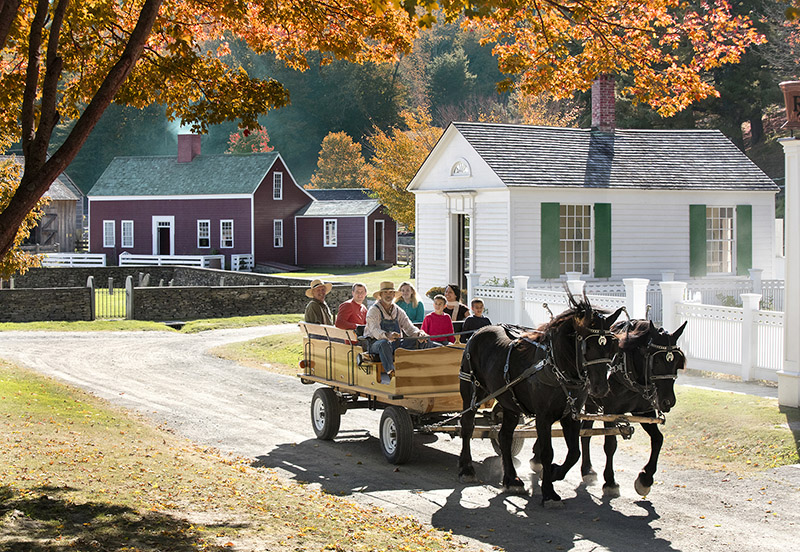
536,466
611,491
553,504
641,488
468,478
590,478
514,487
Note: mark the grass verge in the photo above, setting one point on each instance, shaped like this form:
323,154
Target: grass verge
706,429
141,325
76,474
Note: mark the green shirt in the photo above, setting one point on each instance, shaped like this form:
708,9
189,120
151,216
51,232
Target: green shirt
318,313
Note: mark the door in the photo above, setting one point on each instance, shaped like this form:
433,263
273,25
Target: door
379,238
462,249
163,235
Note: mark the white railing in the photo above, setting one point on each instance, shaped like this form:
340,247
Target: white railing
712,335
242,263
204,261
772,293
64,260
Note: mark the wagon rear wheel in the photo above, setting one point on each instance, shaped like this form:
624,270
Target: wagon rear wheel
517,443
396,435
325,414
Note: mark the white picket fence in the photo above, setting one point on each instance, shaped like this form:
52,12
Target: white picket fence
65,260
242,263
741,341
204,261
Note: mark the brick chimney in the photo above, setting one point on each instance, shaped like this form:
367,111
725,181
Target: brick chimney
188,147
604,117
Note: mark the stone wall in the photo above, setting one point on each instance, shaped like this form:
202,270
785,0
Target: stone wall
35,305
189,303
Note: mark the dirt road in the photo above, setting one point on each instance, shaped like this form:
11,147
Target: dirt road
171,379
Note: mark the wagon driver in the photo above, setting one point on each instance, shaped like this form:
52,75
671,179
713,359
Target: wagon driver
386,325
317,310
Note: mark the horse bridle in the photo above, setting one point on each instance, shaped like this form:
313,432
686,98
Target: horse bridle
602,336
648,390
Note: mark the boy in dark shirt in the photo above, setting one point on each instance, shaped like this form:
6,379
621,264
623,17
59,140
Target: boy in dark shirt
474,322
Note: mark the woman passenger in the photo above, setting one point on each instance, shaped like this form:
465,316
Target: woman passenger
455,309
410,303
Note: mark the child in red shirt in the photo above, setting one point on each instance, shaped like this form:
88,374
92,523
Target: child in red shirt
437,322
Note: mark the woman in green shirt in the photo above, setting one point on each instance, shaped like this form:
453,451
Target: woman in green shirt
410,303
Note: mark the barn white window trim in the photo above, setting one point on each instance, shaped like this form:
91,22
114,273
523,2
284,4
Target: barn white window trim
575,238
203,234
109,237
460,168
277,186
127,233
226,234
329,238
277,232
720,240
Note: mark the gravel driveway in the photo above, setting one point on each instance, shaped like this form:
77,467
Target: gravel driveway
169,378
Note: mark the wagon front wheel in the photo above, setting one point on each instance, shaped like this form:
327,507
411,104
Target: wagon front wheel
325,414
396,435
517,443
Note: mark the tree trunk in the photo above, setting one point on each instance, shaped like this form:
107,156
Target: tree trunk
8,12
756,130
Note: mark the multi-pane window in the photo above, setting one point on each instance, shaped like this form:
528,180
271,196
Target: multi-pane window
277,232
109,237
226,234
575,238
720,240
330,233
127,233
203,234
277,185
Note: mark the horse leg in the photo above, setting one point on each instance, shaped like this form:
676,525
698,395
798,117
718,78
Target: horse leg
572,435
610,487
544,440
644,481
536,459
511,483
587,471
466,471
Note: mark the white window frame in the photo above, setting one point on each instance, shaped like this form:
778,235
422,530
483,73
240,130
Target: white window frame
109,233
128,244
573,231
720,239
277,233
277,185
222,234
207,235
330,239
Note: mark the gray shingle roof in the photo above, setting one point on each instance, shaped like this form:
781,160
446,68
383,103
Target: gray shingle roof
651,159
163,175
343,208
62,188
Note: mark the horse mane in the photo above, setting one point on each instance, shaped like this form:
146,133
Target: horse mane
631,334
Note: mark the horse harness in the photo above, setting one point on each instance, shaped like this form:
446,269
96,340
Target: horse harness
647,390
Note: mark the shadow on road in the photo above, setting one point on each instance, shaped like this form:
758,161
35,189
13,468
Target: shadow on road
353,464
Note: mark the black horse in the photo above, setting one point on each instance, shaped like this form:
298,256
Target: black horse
551,372
641,383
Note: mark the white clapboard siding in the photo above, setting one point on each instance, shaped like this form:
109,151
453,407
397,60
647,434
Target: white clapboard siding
431,243
491,244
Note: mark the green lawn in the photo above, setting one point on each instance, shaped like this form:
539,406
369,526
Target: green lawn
371,276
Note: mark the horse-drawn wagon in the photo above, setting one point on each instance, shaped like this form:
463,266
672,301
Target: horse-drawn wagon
422,396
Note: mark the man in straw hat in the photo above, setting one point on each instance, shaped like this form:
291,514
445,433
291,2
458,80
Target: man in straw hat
386,325
317,310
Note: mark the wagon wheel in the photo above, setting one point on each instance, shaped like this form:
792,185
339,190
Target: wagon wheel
325,414
396,435
517,443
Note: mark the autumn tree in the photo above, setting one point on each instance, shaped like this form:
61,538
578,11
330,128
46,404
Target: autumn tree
397,155
249,141
340,163
64,60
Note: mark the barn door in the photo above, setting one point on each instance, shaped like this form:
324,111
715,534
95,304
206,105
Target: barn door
379,238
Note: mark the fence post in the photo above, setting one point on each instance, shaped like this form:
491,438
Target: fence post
671,294
636,297
520,286
129,298
90,285
755,276
749,335
473,281
11,283
575,284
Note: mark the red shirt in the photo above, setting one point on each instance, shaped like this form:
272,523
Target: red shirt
438,324
350,315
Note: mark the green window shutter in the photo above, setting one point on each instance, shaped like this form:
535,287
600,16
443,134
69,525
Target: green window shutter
551,230
744,239
602,240
697,241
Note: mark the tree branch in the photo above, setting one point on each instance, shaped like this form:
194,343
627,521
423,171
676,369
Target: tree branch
8,13
28,116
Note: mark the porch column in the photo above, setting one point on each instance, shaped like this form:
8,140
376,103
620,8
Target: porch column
636,297
671,294
750,303
789,376
520,286
473,281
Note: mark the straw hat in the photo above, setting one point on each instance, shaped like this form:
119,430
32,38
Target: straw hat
386,286
317,283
